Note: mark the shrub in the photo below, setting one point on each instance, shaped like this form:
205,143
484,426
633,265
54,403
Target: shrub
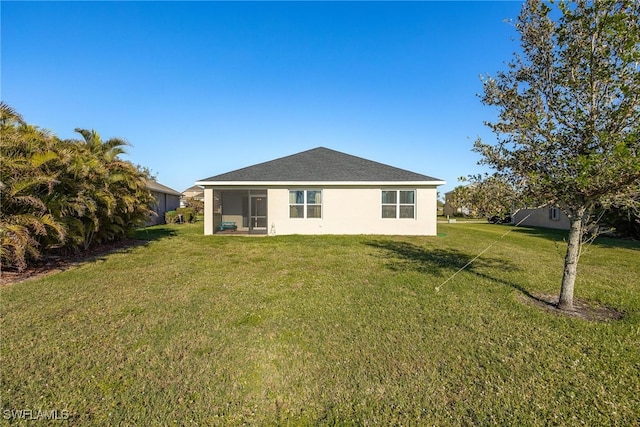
196,205
188,214
171,217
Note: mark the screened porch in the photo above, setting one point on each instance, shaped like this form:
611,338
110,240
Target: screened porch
246,208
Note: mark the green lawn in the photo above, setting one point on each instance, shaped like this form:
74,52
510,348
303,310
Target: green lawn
325,330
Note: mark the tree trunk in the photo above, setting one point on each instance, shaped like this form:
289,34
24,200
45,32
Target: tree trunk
565,301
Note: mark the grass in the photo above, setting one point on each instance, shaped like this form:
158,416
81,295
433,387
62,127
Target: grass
325,330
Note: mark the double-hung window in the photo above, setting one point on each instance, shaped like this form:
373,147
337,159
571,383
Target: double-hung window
305,204
398,204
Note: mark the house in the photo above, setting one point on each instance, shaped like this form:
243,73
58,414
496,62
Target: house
451,208
541,217
195,192
192,193
167,199
321,191
456,201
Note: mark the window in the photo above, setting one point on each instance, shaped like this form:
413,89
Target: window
305,204
398,204
554,214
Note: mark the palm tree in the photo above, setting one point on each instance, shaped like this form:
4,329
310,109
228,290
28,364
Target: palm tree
25,222
119,199
64,194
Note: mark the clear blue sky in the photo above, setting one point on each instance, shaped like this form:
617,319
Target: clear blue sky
202,88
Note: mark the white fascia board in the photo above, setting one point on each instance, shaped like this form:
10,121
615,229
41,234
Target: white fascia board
270,184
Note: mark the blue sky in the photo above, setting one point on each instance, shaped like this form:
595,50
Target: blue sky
203,88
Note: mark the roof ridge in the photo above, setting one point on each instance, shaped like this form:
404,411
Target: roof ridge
321,164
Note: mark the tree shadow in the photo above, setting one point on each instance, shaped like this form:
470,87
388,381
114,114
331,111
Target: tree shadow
140,237
60,261
562,235
405,256
611,242
542,233
156,232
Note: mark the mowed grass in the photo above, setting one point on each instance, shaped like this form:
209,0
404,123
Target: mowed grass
326,330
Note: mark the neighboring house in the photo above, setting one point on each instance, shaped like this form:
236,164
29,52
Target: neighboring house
322,191
541,217
195,192
167,199
450,209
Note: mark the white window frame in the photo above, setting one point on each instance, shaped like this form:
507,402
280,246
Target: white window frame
305,204
397,203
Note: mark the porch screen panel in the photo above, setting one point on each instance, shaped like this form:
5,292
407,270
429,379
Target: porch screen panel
245,211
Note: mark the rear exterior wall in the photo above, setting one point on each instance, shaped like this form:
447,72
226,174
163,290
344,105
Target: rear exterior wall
353,211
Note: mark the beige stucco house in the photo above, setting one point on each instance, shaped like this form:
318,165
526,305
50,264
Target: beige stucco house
450,208
541,217
192,193
321,191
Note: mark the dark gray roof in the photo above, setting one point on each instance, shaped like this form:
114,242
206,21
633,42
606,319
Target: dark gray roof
159,188
319,165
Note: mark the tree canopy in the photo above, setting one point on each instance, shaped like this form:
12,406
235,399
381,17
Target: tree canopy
568,129
485,196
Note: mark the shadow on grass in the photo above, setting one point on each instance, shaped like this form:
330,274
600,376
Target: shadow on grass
54,262
610,242
156,232
562,236
141,237
543,233
444,263
406,256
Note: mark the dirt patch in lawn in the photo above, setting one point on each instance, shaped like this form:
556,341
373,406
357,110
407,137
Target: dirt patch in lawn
55,264
582,309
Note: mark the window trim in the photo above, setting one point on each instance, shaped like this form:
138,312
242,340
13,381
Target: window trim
305,204
397,203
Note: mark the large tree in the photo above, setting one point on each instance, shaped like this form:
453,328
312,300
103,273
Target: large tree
568,128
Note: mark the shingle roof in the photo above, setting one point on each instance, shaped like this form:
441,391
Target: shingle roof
319,165
194,188
159,188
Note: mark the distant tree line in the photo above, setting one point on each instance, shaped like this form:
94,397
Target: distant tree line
493,196
64,195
